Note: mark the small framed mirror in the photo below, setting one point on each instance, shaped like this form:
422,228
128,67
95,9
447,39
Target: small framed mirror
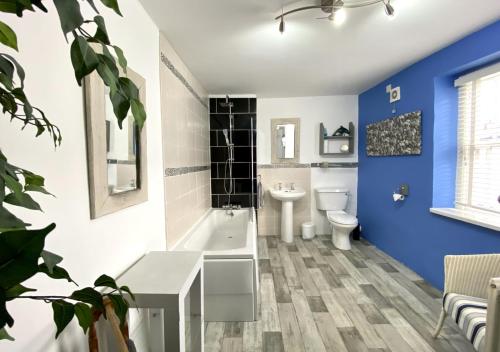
117,158
285,140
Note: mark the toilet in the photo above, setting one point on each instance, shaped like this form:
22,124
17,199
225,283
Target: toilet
334,202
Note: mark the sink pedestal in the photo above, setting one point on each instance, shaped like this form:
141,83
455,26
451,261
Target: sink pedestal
287,197
287,221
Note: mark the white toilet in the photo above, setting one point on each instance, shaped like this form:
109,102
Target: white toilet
334,202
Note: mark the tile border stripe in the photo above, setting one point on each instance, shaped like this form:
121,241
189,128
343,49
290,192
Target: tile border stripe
307,166
180,77
177,171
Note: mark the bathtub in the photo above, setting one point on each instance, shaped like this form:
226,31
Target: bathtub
229,246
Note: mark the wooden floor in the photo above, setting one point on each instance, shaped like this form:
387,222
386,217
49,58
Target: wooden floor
316,298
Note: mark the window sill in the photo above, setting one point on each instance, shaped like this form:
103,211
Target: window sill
472,217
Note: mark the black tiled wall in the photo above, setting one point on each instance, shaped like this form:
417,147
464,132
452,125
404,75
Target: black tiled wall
245,157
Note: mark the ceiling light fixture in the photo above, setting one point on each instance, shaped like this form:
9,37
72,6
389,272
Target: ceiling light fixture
389,10
282,22
331,7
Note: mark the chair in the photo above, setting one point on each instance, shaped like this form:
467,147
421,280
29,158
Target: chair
472,299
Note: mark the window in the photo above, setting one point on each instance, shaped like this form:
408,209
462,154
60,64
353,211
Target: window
478,143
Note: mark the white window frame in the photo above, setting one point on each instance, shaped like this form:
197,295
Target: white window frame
467,212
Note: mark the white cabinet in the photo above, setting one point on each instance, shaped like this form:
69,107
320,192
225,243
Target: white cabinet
170,285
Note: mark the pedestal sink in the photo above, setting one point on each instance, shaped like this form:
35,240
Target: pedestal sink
287,197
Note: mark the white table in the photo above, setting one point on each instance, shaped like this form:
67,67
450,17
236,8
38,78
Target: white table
172,281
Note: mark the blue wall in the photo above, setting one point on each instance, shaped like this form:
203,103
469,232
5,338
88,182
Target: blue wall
407,230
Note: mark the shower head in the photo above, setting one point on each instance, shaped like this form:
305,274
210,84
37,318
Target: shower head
226,103
224,131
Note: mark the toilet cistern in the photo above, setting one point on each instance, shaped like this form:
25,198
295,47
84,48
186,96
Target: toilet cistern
287,197
334,201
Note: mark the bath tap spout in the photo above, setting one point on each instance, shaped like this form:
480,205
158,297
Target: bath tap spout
230,207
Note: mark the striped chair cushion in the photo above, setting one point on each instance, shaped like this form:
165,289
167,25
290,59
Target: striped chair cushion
469,313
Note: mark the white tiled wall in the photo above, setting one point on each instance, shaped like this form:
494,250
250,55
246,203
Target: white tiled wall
270,214
185,131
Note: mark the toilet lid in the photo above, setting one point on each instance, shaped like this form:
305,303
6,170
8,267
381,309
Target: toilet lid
342,218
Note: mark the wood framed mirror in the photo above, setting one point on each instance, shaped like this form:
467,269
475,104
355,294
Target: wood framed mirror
117,158
285,140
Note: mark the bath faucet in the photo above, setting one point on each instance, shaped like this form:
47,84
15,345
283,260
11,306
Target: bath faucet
230,207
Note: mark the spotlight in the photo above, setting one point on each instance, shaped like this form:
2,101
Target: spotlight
282,25
338,16
389,10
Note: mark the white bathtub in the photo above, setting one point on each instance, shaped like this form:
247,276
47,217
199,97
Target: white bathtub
229,246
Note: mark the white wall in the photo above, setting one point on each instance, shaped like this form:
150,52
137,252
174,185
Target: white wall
333,111
106,245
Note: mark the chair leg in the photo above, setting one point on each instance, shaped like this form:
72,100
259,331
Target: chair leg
439,326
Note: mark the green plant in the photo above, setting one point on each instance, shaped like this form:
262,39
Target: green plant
22,249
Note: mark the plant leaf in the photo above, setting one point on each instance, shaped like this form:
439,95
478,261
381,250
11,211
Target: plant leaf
101,33
33,179
22,200
9,222
138,112
128,88
19,253
108,71
12,184
69,14
2,181
121,106
38,3
40,189
19,69
58,273
51,260
107,53
63,314
121,307
92,4
90,296
7,68
84,315
105,281
17,291
5,317
4,335
83,58
127,289
8,36
122,61
112,4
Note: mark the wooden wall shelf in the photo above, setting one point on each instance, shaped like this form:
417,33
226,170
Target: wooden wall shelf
349,139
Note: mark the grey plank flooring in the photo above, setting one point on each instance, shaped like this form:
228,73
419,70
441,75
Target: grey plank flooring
314,297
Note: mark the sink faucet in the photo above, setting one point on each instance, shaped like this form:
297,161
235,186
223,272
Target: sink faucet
292,186
279,186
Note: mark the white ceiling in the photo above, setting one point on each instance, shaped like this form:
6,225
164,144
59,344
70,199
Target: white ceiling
234,46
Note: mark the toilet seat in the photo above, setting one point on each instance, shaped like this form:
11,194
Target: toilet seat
341,217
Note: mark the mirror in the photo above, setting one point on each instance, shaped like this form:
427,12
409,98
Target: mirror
285,140
117,158
123,152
